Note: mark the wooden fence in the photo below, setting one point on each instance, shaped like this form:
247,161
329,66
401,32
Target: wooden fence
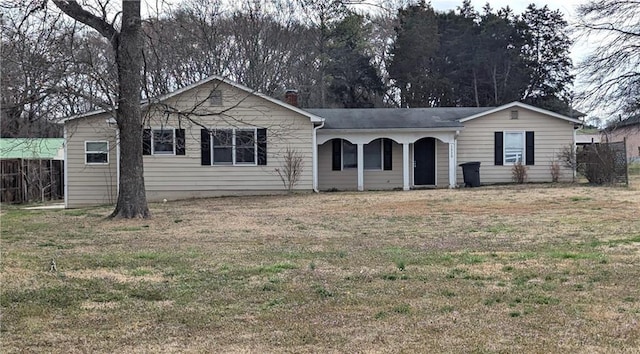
26,181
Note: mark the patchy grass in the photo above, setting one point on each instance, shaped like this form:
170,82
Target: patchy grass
540,268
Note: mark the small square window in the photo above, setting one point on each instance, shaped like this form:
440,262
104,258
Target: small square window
96,152
163,141
514,114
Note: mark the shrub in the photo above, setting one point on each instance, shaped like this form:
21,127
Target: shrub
598,163
555,171
292,166
519,173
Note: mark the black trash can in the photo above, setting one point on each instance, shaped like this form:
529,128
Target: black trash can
471,173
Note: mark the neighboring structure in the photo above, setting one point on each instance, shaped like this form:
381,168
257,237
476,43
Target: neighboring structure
583,138
627,130
217,137
31,169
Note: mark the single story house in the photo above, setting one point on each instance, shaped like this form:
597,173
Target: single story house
217,137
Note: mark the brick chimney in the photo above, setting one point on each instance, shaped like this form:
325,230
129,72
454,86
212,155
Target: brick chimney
291,97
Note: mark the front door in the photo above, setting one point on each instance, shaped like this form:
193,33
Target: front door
424,156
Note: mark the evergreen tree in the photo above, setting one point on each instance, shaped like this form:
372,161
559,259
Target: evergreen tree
354,81
413,55
546,54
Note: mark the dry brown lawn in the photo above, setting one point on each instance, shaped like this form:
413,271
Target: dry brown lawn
534,269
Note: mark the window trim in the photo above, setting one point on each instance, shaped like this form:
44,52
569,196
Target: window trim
234,146
523,156
153,145
86,152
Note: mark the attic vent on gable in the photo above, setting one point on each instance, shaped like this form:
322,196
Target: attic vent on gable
514,114
215,99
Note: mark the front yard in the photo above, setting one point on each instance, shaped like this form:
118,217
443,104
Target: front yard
536,268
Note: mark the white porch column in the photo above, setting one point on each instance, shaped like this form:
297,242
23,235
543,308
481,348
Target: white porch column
453,163
360,167
405,166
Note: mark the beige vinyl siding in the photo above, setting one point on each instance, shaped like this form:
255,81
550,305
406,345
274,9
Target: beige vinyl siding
329,179
390,179
442,164
176,177
183,176
90,184
476,143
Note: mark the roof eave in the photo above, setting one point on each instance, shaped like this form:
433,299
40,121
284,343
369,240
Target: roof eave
390,130
314,118
521,105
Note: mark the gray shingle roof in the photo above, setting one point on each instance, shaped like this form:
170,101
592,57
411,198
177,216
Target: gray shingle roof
395,118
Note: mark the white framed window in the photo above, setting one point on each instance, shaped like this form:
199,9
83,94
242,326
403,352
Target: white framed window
234,147
373,155
96,152
514,147
163,141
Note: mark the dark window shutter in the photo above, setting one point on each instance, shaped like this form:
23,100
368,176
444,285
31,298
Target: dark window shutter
205,147
146,142
387,152
336,156
530,149
262,146
180,148
498,153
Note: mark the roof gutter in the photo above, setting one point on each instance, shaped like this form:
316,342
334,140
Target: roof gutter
393,130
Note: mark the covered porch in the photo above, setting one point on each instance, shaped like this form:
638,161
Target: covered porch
377,159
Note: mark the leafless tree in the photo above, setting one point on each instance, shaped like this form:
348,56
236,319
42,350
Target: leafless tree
30,72
610,72
125,38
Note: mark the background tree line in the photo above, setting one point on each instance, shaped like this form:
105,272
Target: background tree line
334,54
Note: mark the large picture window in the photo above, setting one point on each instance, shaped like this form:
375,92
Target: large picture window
96,152
234,147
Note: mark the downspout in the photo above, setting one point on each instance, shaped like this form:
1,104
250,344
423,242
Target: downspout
314,162
66,167
575,152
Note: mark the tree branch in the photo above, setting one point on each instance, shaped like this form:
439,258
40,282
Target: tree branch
75,11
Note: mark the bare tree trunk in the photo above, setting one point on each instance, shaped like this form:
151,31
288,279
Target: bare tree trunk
127,45
132,200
